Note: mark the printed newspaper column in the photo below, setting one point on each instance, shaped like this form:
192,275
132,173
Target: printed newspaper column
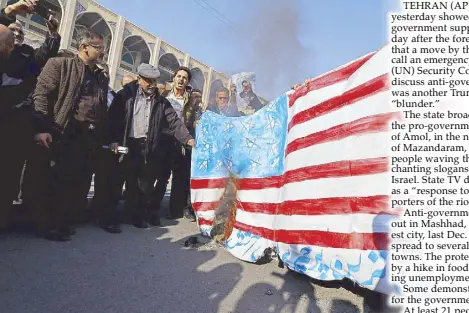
429,160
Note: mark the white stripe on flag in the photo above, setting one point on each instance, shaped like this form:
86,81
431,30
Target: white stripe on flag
207,195
373,105
374,145
352,186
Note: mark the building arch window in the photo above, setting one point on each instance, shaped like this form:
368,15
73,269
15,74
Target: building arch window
167,65
135,51
198,79
95,22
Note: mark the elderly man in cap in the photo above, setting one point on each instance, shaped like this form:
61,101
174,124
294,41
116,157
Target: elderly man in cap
138,115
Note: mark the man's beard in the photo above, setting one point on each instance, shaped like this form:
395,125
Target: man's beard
149,90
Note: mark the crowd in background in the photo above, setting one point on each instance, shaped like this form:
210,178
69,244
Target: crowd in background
62,125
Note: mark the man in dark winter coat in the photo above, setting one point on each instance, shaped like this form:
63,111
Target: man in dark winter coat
17,82
138,115
71,100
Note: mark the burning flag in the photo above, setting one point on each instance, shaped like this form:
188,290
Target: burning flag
311,175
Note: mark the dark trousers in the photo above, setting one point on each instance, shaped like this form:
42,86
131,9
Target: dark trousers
78,156
40,188
176,161
16,141
139,174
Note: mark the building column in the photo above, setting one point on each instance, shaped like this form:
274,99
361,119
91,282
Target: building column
3,3
187,59
155,54
67,24
116,49
207,86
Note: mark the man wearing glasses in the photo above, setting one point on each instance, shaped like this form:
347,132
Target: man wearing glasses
139,115
71,101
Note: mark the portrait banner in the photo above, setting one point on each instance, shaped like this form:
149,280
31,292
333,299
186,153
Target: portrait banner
241,99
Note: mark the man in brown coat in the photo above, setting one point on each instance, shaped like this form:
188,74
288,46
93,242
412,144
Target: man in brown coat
71,100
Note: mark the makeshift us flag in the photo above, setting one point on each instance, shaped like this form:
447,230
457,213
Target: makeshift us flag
311,174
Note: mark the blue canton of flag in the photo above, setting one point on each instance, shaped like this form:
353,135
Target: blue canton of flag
251,146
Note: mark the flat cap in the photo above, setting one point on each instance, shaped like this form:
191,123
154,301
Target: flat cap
148,71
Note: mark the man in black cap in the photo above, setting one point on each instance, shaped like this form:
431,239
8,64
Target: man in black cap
138,114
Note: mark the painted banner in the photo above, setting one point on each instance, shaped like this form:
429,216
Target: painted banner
312,175
243,98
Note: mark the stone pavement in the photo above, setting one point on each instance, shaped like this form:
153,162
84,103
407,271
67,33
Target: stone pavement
146,271
143,271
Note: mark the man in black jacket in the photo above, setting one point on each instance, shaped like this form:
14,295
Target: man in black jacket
138,114
19,77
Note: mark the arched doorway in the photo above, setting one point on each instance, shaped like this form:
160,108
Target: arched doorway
135,51
95,22
167,65
198,79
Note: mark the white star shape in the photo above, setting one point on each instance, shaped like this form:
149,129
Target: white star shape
219,165
228,145
229,163
255,164
227,127
206,146
272,123
248,125
204,164
205,129
271,108
250,144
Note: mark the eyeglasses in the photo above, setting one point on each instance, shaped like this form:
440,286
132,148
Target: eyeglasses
17,31
99,48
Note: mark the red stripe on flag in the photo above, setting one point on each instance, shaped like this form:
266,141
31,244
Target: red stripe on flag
328,79
324,206
354,95
369,124
205,222
329,170
359,241
260,183
204,206
209,183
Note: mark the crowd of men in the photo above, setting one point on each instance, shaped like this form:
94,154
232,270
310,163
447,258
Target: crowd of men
62,125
